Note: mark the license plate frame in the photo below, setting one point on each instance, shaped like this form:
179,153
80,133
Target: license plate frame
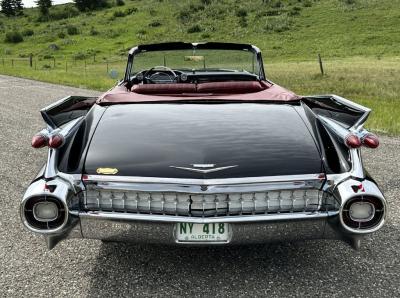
187,232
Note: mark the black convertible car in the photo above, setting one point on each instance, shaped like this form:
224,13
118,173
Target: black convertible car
195,146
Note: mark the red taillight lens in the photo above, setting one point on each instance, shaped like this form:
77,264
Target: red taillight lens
39,141
353,141
370,140
56,141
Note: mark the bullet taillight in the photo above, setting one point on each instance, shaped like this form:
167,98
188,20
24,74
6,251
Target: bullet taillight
56,141
39,141
353,141
370,140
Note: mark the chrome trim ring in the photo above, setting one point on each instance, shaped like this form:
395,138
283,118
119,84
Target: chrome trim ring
42,231
364,231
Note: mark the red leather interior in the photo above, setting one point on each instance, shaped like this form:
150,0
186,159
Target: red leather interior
237,87
230,87
164,88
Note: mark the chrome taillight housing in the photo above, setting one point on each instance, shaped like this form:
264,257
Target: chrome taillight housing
363,213
44,212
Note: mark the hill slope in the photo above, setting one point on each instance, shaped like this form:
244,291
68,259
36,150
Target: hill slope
283,29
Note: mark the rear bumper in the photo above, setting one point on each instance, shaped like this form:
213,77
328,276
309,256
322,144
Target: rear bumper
243,230
164,232
161,229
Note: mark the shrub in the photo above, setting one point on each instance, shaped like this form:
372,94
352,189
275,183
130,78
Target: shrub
194,29
295,11
13,37
349,2
67,12
243,22
120,2
47,56
155,24
307,3
54,47
119,14
184,16
46,66
28,32
61,35
72,30
131,10
93,31
241,13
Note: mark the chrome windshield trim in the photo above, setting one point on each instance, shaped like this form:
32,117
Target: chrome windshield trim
228,181
224,219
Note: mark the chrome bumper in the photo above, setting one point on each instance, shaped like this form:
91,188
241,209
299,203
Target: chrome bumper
244,230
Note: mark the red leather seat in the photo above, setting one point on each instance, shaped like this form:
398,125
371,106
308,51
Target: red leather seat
230,87
164,88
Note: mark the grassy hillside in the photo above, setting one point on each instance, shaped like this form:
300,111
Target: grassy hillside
291,29
358,40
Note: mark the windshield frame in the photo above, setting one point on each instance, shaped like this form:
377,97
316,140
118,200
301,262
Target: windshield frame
194,46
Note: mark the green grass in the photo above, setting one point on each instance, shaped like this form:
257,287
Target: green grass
359,44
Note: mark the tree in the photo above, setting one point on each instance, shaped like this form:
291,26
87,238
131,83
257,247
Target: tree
7,8
84,5
18,7
12,7
44,6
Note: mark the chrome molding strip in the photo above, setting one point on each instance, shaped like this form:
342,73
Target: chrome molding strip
203,170
207,182
202,220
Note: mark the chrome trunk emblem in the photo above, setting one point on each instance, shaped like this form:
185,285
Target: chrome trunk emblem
203,168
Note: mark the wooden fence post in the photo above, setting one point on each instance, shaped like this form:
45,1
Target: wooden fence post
107,66
54,62
66,65
94,57
321,67
30,60
12,62
85,66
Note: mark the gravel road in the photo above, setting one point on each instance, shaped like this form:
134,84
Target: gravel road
90,268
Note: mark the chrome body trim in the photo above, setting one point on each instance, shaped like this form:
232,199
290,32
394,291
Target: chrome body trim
203,170
208,182
203,220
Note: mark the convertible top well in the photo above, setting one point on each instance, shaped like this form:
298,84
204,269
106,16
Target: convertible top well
239,90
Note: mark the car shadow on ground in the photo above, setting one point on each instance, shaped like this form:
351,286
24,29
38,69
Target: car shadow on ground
275,269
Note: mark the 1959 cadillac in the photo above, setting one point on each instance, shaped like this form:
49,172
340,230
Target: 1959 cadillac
195,146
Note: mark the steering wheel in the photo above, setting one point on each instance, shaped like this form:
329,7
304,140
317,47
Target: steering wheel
164,70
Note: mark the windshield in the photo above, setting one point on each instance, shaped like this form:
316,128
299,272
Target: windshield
198,60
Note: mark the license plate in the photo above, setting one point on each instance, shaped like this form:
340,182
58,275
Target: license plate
210,232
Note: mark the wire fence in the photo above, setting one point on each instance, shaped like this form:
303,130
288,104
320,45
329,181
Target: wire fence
69,64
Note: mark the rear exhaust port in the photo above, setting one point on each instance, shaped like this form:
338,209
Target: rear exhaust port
44,213
363,214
